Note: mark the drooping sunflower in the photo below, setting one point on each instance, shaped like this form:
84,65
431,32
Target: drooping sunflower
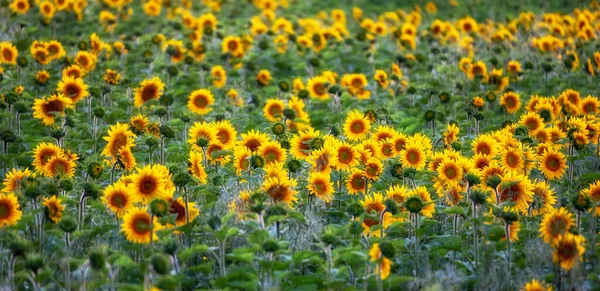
356,182
568,250
226,134
196,167
10,213
384,265
53,208
8,53
137,226
553,164
253,139
515,188
273,109
149,89
118,198
320,185
272,152
73,88
12,180
317,88
149,183
555,224
356,126
47,108
60,165
535,285
42,154
511,102
119,136
281,190
200,101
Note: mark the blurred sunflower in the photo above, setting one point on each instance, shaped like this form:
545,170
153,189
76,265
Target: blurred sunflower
555,224
317,88
384,265
48,108
10,213
118,198
8,52
280,189
60,165
149,89
196,167
219,76
12,180
356,182
53,207
320,185
119,136
73,88
226,134
568,250
253,139
511,102
200,101
273,109
138,227
272,152
42,154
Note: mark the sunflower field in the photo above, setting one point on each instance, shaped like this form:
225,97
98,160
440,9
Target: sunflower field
299,145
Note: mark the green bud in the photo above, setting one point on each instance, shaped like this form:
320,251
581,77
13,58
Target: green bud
161,264
270,246
97,260
68,224
34,262
159,207
414,204
214,222
355,228
278,128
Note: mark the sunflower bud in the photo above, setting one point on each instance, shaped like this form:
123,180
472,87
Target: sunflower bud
22,61
581,202
161,264
355,209
182,178
257,162
316,143
355,228
329,238
56,132
478,197
387,249
167,282
414,204
411,90
314,62
202,142
429,115
391,206
166,131
170,247
159,207
68,224
66,184
444,97
493,181
278,128
214,222
33,191
97,260
289,113
409,172
293,165
91,190
34,262
303,94
472,179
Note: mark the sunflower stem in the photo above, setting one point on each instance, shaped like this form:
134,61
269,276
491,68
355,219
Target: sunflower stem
507,231
81,210
187,215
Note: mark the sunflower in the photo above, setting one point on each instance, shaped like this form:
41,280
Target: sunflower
12,180
73,71
276,170
200,101
511,102
397,193
280,189
568,250
119,136
420,194
374,206
300,143
273,110
138,123
8,53
47,10
356,126
137,225
382,78
253,139
535,285
451,134
263,77
59,165
241,159
593,191
413,156
111,77
177,206
356,182
272,152
590,105
219,76
347,156
196,167
73,88
85,60
53,208
127,158
226,134
9,210
555,224
477,69
233,45
149,89
513,158
317,88
373,168
320,185
513,67
515,188
19,6
118,198
544,198
202,131
323,159
42,77
149,183
384,265
47,108
450,171
152,8
553,164
42,154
